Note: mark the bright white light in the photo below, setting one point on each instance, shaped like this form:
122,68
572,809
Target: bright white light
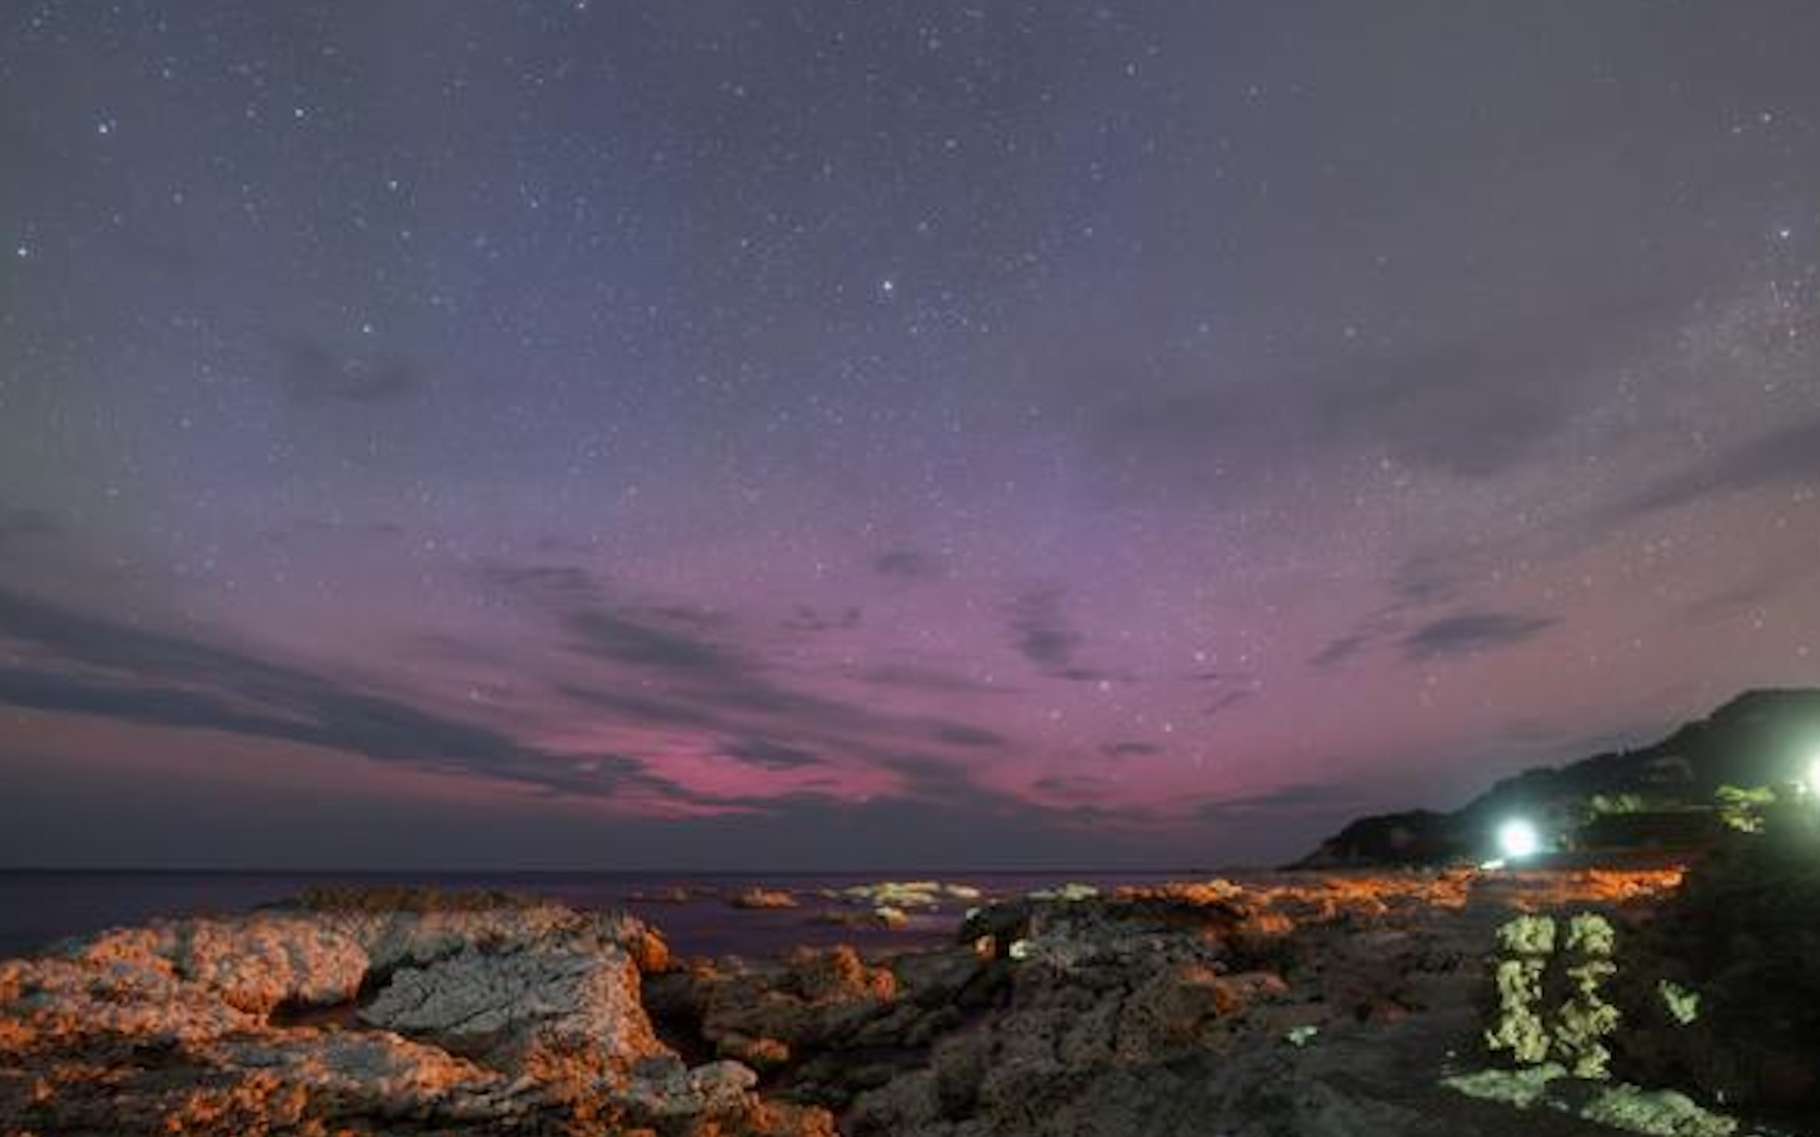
1813,776
1518,838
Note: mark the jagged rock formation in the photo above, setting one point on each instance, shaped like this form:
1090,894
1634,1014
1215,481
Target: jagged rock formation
1658,795
497,1016
1307,1009
1318,1008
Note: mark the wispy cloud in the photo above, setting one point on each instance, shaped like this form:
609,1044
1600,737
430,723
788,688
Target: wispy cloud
811,620
1340,649
651,665
959,734
1470,632
770,755
97,666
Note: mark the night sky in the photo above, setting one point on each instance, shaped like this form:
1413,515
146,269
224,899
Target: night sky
840,434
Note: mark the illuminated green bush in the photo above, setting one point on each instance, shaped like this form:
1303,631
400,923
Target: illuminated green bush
1574,1032
1743,808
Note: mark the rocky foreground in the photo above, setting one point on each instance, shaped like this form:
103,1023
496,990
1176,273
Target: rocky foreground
1330,1007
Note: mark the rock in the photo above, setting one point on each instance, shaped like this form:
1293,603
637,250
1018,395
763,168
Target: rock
1658,1113
895,894
1161,1010
762,898
760,1053
815,998
525,1011
378,1073
884,917
1661,1113
527,1019
1164,1010
669,1089
1299,1036
55,1004
890,917
1522,1087
827,1024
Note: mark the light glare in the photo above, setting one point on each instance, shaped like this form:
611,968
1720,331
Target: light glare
1518,838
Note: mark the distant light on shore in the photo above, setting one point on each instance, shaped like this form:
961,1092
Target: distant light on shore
1517,838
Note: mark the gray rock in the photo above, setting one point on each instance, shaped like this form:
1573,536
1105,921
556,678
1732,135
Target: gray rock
516,1008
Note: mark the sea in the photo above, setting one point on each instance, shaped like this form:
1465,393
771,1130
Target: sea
39,907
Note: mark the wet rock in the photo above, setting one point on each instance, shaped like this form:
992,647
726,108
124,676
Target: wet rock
887,918
890,917
762,898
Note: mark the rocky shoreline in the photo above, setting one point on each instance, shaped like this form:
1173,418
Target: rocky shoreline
1334,1005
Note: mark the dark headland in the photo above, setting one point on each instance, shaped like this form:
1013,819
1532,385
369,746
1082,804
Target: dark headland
1672,795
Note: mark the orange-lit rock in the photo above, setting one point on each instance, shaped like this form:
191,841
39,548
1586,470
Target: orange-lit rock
170,1028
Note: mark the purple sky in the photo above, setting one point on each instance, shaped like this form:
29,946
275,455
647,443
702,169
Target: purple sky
853,435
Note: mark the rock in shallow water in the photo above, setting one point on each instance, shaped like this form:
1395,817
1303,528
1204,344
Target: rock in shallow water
762,898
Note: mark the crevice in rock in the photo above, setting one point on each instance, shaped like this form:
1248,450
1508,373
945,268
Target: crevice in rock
676,1019
336,1016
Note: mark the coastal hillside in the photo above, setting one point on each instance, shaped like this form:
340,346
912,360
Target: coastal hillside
1675,792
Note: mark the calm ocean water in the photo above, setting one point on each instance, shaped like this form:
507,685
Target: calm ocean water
40,907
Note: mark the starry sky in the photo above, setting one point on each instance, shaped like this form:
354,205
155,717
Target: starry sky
830,434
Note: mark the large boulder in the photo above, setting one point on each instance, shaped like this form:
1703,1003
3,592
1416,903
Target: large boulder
525,1011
